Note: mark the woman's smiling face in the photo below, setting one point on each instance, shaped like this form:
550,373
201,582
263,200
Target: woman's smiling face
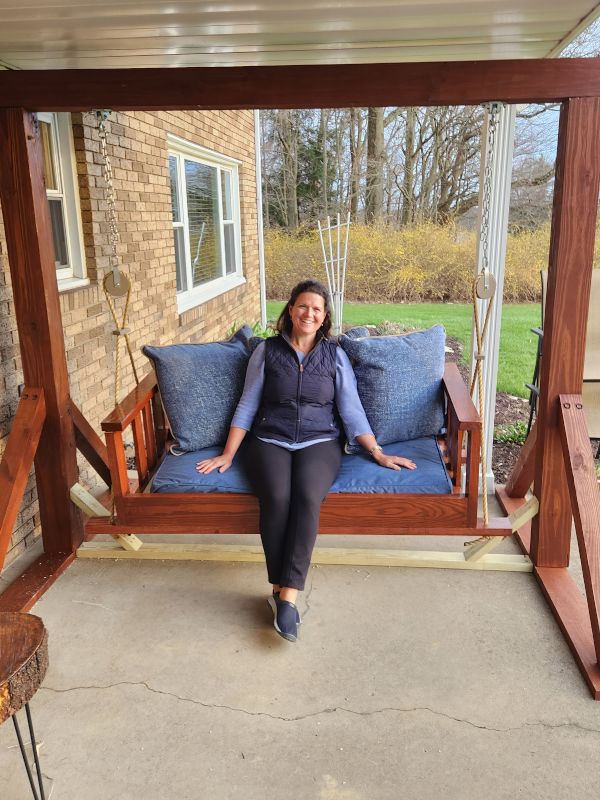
307,314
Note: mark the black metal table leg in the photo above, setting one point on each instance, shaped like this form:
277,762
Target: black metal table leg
35,752
42,796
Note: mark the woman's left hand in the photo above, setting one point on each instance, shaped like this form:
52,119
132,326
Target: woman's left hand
394,462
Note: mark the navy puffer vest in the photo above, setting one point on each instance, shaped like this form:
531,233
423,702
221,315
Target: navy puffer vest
297,403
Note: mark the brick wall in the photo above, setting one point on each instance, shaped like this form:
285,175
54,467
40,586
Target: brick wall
137,144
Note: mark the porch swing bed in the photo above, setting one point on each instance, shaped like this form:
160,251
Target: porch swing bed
168,496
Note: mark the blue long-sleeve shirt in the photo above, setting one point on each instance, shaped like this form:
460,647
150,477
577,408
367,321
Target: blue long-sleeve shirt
348,403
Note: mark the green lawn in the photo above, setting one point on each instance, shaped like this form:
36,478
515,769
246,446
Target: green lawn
517,343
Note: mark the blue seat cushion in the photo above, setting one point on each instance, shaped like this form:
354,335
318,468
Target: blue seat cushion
200,386
358,474
399,381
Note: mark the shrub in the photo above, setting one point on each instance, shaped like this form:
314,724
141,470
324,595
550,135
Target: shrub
417,263
515,433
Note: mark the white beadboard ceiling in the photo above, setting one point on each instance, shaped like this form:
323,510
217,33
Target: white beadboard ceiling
77,34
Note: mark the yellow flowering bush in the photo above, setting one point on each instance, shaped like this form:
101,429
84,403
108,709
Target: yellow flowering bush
424,262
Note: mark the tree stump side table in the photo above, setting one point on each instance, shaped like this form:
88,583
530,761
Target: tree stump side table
23,665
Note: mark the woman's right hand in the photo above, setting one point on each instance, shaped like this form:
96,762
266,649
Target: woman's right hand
222,463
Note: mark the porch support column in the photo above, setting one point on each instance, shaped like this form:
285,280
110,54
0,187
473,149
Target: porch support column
41,339
565,320
498,224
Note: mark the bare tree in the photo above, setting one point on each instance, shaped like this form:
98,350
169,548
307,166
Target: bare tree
288,136
375,159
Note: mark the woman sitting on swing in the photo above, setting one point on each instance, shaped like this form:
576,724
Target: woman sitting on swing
294,383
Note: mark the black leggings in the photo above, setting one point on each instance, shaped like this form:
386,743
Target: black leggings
290,485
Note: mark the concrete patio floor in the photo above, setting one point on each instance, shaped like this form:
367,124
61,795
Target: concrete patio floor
167,680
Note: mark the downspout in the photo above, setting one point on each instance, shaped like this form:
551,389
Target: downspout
259,222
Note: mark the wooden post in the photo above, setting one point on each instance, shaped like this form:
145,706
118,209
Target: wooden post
30,253
567,305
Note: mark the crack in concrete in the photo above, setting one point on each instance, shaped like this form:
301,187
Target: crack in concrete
331,710
307,598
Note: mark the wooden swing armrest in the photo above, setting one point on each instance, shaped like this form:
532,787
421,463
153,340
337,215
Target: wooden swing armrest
459,399
463,436
143,411
125,412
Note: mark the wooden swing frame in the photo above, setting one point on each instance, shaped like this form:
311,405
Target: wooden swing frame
555,457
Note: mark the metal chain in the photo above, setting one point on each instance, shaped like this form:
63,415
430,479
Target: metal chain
113,228
120,285
493,110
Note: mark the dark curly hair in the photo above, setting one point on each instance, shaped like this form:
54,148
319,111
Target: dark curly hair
284,322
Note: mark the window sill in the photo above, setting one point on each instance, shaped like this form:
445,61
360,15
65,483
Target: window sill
71,284
203,294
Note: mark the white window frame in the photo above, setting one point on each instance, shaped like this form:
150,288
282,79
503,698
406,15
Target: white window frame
75,274
182,149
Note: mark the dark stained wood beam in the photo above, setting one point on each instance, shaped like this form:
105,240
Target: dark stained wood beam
567,305
37,310
523,472
90,445
566,603
302,86
17,459
585,501
27,589
571,612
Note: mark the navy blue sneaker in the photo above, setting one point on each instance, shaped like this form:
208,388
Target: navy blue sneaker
286,620
272,602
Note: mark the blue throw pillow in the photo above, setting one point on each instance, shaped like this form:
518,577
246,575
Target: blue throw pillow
400,383
200,386
359,332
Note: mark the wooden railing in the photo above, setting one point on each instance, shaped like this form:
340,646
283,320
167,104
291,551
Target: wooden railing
17,461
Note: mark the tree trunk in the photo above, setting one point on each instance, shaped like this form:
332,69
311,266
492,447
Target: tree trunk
355,152
408,182
289,144
375,152
324,159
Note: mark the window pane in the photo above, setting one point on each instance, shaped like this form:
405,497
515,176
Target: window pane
47,151
226,193
174,192
229,232
178,235
61,258
203,222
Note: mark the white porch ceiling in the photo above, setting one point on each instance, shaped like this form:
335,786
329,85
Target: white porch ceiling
71,34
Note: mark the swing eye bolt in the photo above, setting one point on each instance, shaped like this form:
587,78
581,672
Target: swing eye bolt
566,405
578,405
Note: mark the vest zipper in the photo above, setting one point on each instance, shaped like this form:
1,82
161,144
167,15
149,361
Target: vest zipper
300,373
